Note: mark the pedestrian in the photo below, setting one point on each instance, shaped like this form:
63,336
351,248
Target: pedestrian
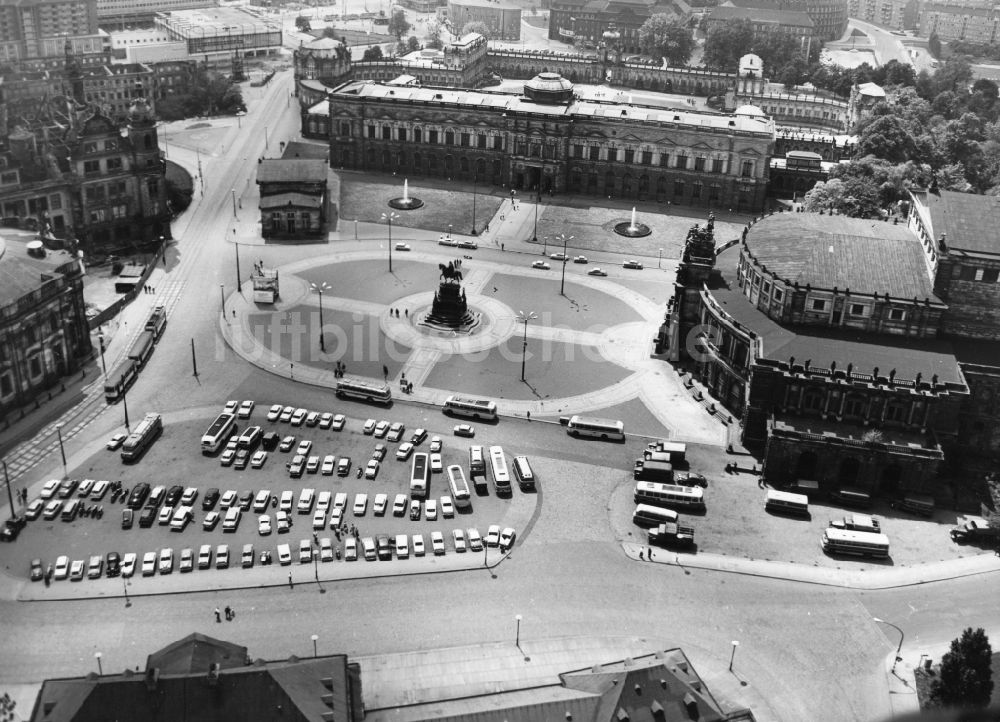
529,415
218,616
232,614
229,613
385,372
316,538
502,247
407,311
640,555
649,553
291,585
234,313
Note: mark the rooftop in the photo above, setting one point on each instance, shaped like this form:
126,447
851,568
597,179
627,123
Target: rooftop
20,274
794,18
928,357
969,222
865,256
210,21
271,170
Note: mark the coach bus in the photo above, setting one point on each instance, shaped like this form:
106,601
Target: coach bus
786,502
525,475
142,349
459,487
596,428
671,496
218,433
142,437
501,476
473,408
156,322
647,515
420,476
119,381
858,543
371,391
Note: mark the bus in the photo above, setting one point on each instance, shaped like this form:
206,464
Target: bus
858,543
477,469
597,428
525,476
786,502
468,406
218,433
371,391
648,516
142,349
501,477
420,476
672,496
459,487
119,381
156,322
142,437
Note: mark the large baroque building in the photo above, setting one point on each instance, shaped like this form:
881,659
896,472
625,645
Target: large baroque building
549,140
613,23
829,16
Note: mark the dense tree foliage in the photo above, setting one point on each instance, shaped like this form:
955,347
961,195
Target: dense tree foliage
373,53
727,44
476,26
663,36
398,24
207,93
965,679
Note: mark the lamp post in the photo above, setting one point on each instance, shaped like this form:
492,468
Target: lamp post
517,634
659,255
233,191
10,496
128,602
100,668
538,200
565,241
389,218
899,648
319,289
733,655
315,639
222,295
62,451
475,180
125,406
524,318
100,343
265,137
236,247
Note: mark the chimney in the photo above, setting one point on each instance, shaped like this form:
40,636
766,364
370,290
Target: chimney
152,678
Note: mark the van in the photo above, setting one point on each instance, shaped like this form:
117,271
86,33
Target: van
368,544
270,441
180,519
71,509
917,504
156,496
785,502
477,462
250,438
232,520
848,496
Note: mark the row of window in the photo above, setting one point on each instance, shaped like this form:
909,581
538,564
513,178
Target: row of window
969,273
780,110
97,193
93,167
433,137
855,406
102,215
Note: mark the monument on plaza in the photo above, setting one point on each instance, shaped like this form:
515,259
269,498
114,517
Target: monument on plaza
450,309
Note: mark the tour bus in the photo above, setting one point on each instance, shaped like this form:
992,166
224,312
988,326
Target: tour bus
420,476
218,433
785,502
156,322
847,496
648,515
371,391
501,477
523,472
917,504
142,437
142,349
596,428
672,496
859,543
468,406
119,381
459,487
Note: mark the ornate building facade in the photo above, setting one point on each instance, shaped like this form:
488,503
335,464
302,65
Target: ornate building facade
548,140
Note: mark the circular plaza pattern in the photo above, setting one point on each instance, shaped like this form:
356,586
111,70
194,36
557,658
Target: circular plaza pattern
588,350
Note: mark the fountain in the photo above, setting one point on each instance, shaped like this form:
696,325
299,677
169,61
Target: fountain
406,203
632,229
450,309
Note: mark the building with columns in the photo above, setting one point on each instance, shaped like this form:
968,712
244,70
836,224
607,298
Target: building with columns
549,140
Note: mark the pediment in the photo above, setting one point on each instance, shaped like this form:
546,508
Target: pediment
749,151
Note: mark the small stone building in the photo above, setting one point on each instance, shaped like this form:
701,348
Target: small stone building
294,198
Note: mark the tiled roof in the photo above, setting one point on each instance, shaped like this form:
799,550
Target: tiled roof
291,170
194,653
865,256
793,18
294,200
970,222
20,274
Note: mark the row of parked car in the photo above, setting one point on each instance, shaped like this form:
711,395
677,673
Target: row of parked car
382,547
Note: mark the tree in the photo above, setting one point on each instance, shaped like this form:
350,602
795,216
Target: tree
412,43
434,31
303,24
776,49
725,45
373,53
664,36
476,26
887,138
895,73
794,72
398,24
965,675
934,45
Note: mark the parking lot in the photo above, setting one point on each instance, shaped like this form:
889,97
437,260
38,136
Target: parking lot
370,507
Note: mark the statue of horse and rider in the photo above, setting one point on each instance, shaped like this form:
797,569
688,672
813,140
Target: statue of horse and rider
450,273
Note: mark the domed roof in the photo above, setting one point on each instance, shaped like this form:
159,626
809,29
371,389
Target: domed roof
139,112
750,110
549,88
324,47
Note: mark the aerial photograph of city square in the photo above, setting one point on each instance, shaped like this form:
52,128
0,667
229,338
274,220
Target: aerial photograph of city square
499,360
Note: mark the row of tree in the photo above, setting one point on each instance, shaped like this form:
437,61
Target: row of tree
205,93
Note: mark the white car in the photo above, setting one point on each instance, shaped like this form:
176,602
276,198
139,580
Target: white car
435,445
633,264
325,420
380,503
49,489
299,417
305,551
371,470
437,543
468,244
507,537
231,406
286,414
228,457
204,556
437,464
264,524
284,555
445,241
399,505
128,564
464,430
262,501
166,512
381,429
596,272
282,521
258,459
580,259
338,422
560,256
189,496
541,265
336,517
325,549
323,500
395,432
402,546
447,508
418,545
305,446
62,567
458,536
34,509
319,519
404,451
166,561
246,408
431,510
222,556
350,549
369,427
329,461
360,504
307,497
402,246
340,500
493,535
149,564
286,443
475,540
274,413
116,441
287,501
210,521
312,466
229,498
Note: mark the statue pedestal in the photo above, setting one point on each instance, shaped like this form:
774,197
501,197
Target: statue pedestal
450,310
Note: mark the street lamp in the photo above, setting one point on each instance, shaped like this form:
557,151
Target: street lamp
233,191
236,247
733,655
62,450
475,179
659,255
128,602
524,318
389,218
899,649
10,496
565,241
517,634
222,295
265,137
538,200
100,342
315,638
100,669
319,289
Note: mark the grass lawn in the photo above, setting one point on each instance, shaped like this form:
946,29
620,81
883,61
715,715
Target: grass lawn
367,200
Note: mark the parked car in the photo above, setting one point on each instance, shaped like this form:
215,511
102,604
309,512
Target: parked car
447,508
633,264
287,443
507,537
596,272
350,549
205,556
465,430
541,265
338,422
437,543
399,505
371,470
343,466
128,564
115,442
395,432
274,412
435,446
458,536
186,562
380,503
404,451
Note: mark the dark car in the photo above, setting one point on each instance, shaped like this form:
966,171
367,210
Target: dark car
12,527
384,548
173,495
242,459
66,488
270,441
265,557
690,478
113,564
147,517
138,495
128,517
210,499
36,570
246,500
